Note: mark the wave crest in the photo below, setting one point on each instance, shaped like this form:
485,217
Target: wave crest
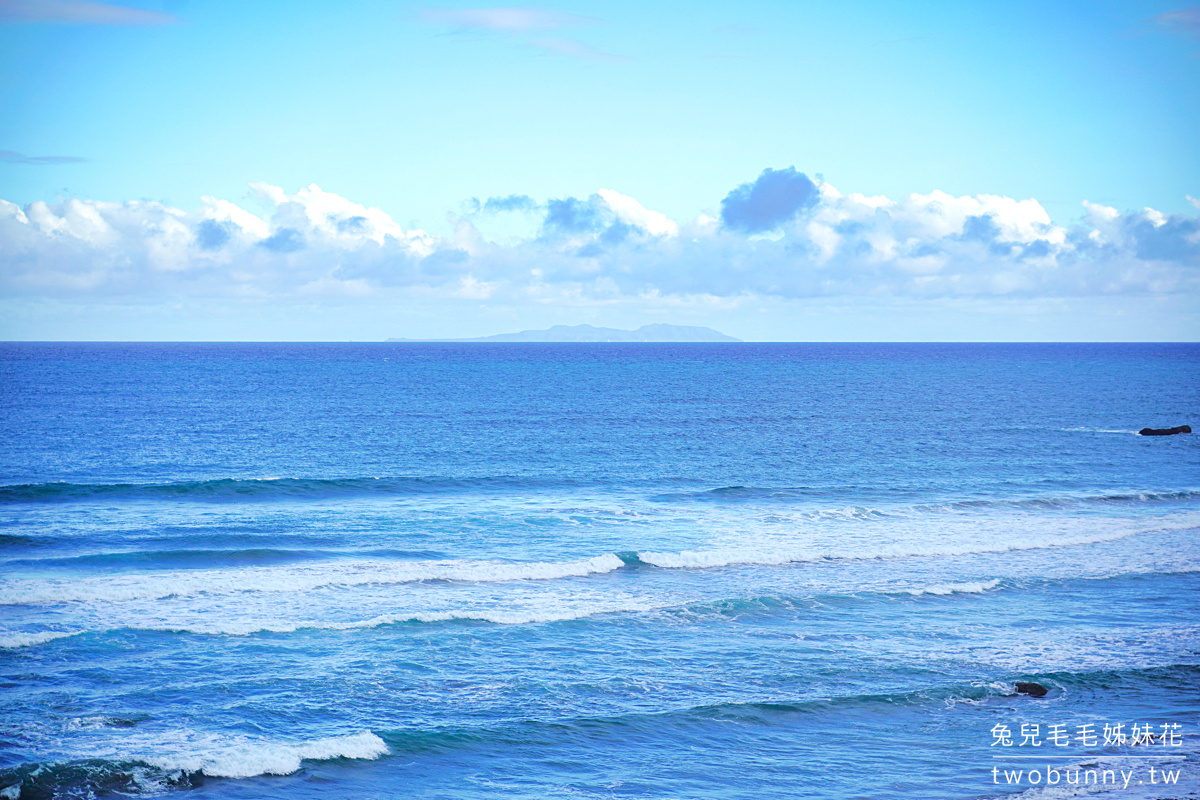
248,758
294,578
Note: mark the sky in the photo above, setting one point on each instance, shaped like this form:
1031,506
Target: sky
779,171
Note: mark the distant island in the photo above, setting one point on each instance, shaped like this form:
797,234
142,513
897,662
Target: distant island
589,333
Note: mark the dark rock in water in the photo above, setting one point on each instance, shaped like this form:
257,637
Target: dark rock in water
1165,431
1031,689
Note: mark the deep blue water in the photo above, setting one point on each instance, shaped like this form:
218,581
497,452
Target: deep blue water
596,571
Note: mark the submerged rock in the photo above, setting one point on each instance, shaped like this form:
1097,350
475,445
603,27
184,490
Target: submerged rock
1165,431
1031,689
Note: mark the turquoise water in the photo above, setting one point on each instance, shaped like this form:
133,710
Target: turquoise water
660,571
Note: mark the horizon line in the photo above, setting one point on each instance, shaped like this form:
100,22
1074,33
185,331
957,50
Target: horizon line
476,341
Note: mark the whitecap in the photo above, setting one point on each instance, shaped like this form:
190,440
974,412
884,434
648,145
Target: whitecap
976,587
247,758
13,639
292,578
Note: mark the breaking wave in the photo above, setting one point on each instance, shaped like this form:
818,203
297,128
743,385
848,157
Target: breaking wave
146,773
970,587
294,578
247,758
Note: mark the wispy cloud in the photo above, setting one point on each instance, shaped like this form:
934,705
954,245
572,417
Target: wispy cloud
81,12
526,24
1183,20
524,19
11,157
573,48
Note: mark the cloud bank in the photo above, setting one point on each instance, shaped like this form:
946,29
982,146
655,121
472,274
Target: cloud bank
782,236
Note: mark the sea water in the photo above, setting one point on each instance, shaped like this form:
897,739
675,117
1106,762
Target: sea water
598,571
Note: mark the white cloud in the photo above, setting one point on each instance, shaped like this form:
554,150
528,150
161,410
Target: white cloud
631,212
225,211
1157,218
938,215
336,219
1098,214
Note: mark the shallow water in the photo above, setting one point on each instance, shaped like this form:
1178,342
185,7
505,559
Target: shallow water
651,571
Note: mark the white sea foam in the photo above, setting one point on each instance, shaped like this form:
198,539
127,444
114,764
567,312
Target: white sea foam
1061,792
1001,542
516,617
290,578
523,614
977,587
13,639
246,758
87,723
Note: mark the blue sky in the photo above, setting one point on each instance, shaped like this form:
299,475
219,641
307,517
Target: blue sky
422,112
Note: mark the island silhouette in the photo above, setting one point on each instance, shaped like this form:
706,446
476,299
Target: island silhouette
658,332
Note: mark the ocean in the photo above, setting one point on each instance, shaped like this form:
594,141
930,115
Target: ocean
598,571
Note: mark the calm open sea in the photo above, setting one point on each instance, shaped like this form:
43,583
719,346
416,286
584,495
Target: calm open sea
598,571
